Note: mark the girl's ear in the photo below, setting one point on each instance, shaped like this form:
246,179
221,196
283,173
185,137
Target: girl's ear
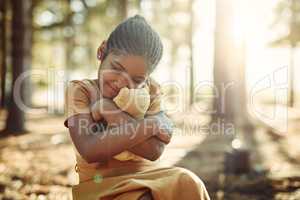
101,51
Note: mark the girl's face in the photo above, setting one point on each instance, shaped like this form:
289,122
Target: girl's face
118,71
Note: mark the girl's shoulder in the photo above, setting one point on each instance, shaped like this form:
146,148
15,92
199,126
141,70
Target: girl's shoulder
85,83
87,87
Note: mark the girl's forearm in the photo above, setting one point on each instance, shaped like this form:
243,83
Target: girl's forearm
151,148
96,146
115,117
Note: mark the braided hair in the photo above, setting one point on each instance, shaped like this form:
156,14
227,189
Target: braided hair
135,36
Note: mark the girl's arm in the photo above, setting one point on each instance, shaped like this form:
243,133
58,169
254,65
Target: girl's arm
151,148
96,146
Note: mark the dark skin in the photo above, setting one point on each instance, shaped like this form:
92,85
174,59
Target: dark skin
145,138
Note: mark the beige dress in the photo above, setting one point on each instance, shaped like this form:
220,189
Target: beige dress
122,179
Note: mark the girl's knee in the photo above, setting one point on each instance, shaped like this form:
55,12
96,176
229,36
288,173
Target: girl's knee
190,175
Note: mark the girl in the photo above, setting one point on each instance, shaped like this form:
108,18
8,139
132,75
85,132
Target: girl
127,58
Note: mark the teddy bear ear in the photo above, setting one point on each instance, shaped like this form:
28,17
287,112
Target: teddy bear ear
123,94
124,90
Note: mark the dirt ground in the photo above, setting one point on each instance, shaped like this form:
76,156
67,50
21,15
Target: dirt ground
40,165
275,164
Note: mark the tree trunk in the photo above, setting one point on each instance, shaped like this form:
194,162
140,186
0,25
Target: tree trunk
223,103
229,69
231,102
293,44
28,56
291,77
191,53
123,9
21,40
3,7
69,46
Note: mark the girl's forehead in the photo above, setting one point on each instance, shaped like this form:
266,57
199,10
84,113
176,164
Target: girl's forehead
133,64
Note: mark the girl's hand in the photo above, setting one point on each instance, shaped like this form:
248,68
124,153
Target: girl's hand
164,127
104,108
109,111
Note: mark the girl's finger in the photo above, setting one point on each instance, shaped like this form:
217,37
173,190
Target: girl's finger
164,136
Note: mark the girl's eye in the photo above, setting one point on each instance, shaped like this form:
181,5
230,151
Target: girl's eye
140,83
116,68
